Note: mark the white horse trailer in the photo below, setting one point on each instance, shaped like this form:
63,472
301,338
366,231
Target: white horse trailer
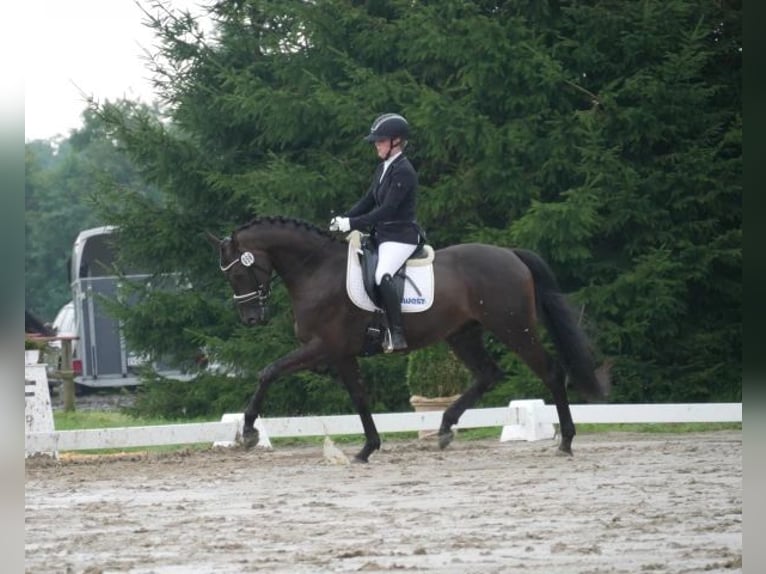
106,358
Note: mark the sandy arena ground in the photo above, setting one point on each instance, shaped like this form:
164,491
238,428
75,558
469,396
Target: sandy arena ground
625,503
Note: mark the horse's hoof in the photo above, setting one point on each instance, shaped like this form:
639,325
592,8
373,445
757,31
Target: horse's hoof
250,439
363,455
445,439
565,446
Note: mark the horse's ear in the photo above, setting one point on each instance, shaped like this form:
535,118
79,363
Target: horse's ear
213,240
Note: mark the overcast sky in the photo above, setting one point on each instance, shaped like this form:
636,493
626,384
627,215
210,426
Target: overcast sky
73,46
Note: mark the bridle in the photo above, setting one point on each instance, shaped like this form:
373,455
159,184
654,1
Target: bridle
261,293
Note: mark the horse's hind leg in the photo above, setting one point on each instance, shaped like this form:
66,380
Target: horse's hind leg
468,346
529,348
555,380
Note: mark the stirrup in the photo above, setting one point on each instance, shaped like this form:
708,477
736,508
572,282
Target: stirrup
388,343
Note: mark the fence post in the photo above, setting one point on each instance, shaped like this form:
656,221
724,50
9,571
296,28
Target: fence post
67,374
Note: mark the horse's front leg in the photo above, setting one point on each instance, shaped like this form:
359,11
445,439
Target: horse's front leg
348,370
304,357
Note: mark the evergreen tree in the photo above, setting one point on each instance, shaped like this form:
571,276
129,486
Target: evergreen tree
649,225
605,135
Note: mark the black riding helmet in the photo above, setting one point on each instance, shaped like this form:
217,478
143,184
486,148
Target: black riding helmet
388,126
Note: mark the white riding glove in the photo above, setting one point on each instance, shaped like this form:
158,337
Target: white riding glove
340,224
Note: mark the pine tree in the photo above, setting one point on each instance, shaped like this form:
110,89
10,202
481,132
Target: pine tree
606,135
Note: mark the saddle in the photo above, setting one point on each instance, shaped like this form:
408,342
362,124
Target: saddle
414,283
368,259
414,280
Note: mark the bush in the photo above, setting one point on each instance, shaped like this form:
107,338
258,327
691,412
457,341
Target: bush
436,372
34,345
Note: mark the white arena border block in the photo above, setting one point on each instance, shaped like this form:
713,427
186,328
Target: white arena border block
38,412
527,424
128,437
533,420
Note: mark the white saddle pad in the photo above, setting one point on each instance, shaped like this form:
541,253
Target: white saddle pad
419,271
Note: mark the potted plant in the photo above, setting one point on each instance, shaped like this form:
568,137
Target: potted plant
435,378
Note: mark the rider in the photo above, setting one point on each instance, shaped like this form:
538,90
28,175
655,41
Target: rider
388,209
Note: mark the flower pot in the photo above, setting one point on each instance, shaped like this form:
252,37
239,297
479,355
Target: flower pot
31,356
422,404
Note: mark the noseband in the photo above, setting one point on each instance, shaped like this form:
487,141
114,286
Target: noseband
247,260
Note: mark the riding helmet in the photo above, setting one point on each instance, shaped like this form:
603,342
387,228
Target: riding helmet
388,126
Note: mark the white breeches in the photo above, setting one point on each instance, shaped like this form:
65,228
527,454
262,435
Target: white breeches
391,256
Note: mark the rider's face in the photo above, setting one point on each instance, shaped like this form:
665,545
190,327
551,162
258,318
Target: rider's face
383,147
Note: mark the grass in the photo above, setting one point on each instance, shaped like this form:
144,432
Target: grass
76,420
494,432
657,427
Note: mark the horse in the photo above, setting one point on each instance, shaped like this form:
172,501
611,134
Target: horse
478,287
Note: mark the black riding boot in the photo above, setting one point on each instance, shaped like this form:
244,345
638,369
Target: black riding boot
393,307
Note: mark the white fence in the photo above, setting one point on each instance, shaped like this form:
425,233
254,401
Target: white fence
521,420
226,432
534,420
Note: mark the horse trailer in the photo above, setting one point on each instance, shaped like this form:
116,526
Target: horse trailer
104,356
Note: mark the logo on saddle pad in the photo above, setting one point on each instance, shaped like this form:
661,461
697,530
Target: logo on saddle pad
418,292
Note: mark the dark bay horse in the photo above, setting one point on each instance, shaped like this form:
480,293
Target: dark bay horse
477,287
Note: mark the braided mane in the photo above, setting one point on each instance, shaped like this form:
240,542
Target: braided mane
288,221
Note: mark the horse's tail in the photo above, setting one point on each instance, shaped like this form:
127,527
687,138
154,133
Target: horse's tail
560,320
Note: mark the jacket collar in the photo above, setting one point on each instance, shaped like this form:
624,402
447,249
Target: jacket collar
388,164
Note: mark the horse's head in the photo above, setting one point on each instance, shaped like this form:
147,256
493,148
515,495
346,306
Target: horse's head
249,274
